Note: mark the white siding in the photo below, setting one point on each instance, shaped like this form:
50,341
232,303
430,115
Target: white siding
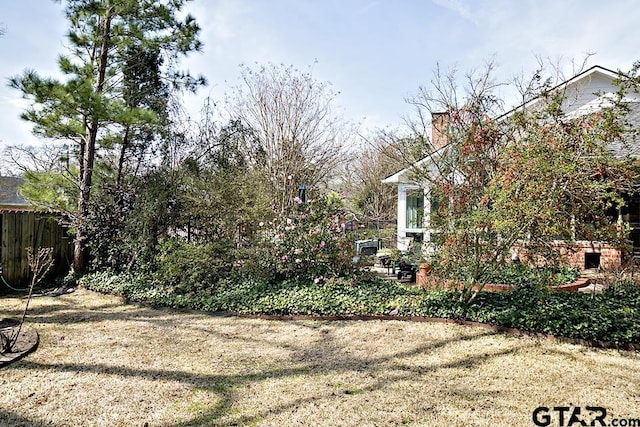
586,90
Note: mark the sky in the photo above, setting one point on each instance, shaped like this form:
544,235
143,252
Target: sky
375,53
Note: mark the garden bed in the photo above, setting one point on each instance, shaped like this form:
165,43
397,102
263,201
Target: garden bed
26,342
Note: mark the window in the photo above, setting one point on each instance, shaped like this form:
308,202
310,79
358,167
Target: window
415,209
591,260
631,212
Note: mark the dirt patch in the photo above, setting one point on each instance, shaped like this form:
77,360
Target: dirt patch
26,342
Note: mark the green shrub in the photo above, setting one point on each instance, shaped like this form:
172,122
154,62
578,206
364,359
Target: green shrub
191,267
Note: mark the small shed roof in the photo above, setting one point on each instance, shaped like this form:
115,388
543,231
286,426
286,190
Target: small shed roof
10,199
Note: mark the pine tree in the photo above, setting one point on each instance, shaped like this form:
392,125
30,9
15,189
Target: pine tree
94,105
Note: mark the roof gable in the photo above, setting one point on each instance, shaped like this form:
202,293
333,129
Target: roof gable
583,90
405,175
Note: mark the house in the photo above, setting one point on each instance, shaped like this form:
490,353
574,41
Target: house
585,93
22,226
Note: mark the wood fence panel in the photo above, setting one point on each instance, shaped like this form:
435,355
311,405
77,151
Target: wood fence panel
22,229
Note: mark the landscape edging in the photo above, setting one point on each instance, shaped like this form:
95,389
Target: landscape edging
432,281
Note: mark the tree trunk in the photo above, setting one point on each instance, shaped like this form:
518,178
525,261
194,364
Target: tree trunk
123,151
80,251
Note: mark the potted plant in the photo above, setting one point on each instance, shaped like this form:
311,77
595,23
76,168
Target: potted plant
425,267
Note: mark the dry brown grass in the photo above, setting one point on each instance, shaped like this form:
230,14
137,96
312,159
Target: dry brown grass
105,363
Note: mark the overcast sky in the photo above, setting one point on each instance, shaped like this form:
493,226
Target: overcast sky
376,53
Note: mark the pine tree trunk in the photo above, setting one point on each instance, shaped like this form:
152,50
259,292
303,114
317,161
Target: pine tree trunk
80,250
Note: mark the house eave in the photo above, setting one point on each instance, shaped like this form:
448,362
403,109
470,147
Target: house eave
402,177
17,208
596,69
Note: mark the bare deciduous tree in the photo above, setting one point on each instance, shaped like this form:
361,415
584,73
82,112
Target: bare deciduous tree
296,128
374,201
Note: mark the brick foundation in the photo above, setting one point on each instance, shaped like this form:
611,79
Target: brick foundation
576,256
581,255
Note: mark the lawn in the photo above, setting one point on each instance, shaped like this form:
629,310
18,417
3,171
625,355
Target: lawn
105,363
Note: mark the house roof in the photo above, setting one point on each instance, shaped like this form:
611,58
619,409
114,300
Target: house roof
601,79
595,69
9,196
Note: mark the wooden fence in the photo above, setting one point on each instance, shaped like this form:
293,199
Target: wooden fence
22,229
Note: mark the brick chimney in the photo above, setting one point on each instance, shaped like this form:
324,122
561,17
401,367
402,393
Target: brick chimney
439,127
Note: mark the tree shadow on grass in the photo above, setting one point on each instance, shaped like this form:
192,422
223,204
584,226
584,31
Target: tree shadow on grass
329,353
10,418
69,312
323,357
222,410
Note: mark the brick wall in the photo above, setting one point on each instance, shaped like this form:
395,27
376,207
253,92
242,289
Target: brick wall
610,257
582,253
